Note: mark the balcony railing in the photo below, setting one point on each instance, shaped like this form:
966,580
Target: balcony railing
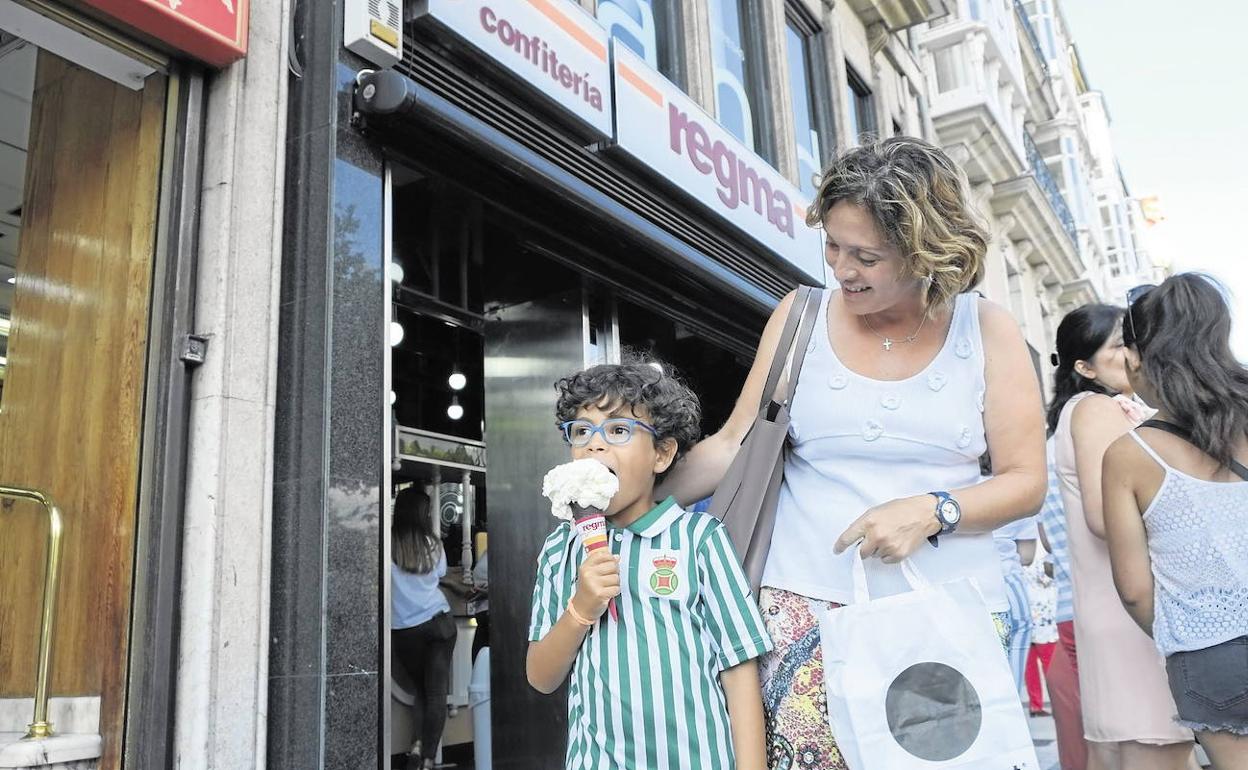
1047,183
1025,21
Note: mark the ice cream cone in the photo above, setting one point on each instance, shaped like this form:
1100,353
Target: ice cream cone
592,526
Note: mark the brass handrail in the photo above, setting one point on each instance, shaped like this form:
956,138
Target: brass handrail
41,727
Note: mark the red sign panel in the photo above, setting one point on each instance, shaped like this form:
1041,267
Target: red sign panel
214,31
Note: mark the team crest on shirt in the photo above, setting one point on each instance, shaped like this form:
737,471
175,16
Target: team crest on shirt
664,581
664,575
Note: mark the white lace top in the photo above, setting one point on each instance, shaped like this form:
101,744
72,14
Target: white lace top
1198,542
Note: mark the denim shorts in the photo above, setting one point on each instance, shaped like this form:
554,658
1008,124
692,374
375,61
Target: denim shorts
1210,687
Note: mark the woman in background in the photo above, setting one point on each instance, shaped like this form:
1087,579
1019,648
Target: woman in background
1176,506
1128,714
422,631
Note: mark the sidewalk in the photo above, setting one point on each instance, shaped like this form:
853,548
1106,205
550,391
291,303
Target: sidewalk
1044,736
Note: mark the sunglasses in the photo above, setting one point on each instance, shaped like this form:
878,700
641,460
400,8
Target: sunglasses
1134,295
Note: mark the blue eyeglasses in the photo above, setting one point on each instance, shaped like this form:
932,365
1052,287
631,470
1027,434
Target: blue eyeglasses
615,431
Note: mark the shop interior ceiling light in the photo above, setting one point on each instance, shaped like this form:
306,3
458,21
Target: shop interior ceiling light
457,380
396,333
455,411
396,272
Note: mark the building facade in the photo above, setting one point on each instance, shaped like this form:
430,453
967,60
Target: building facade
1010,102
361,273
1128,259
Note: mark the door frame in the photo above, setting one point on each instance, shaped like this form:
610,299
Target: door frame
151,675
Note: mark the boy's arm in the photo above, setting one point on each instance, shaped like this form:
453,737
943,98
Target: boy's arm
745,715
737,632
550,659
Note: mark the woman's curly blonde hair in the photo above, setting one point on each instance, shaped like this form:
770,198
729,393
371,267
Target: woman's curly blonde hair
918,198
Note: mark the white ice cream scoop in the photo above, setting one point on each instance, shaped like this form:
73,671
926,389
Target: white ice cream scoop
584,483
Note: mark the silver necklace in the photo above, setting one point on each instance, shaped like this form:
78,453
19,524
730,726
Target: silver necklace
888,341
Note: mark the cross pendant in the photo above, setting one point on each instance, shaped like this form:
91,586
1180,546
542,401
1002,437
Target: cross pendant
888,344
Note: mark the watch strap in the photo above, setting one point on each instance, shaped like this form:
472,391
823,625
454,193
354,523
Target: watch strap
941,498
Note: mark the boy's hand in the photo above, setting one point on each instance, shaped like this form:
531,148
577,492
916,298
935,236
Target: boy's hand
598,582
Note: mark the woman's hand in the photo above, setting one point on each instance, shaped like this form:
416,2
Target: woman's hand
893,530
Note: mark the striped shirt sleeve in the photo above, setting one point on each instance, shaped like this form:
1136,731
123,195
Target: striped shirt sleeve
727,606
548,587
1053,518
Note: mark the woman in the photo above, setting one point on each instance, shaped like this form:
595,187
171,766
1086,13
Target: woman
1127,708
422,631
907,381
1181,566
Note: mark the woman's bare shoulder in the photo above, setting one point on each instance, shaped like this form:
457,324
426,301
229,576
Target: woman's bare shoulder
991,312
998,328
1123,455
1097,412
1098,404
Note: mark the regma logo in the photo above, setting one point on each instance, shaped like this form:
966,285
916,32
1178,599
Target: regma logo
739,182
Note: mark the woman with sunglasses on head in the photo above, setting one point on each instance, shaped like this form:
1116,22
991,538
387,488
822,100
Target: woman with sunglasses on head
1127,708
1176,506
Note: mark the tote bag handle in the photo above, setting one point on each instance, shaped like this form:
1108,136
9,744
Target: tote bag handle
791,347
862,592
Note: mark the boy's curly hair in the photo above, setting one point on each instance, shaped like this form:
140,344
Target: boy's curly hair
672,408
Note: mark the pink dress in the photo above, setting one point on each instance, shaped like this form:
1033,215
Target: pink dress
1122,677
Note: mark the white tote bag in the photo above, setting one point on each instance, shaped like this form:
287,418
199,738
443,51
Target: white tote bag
919,680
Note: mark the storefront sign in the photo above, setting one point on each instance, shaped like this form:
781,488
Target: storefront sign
552,44
214,31
663,128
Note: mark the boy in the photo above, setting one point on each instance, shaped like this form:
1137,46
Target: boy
673,684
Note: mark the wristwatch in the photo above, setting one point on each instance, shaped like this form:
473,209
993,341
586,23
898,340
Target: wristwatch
948,513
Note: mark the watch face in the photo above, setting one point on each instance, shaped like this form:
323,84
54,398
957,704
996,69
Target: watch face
950,512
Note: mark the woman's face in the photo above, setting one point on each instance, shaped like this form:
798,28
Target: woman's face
870,270
1108,366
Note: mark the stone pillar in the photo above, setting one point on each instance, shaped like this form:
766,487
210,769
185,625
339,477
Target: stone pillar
222,691
780,88
327,646
699,73
838,76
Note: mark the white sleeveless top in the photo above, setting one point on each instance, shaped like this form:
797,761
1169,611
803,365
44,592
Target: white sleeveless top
1198,543
859,442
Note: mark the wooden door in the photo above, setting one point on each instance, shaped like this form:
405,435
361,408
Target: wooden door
73,396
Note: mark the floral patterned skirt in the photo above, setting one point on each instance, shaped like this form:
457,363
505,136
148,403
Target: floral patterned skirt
799,736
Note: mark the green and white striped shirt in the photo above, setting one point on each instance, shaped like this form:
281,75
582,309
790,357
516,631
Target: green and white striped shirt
645,691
